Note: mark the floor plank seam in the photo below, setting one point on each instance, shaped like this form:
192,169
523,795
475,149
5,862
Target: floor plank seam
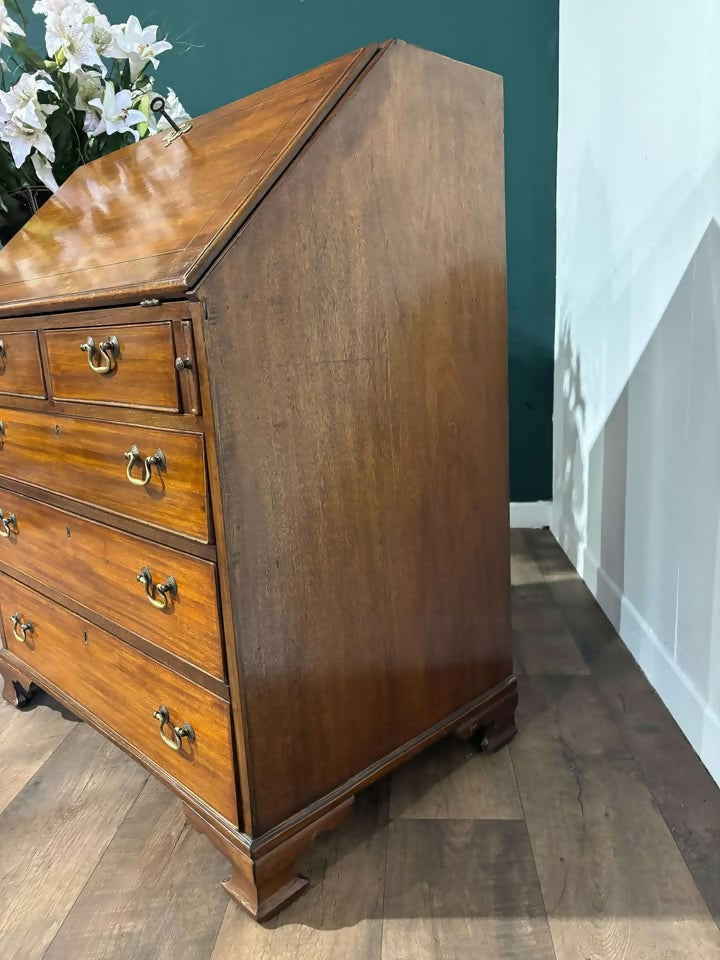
388,821
99,860
532,851
605,700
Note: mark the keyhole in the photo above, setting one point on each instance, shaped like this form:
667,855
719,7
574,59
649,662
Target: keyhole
67,531
85,637
57,429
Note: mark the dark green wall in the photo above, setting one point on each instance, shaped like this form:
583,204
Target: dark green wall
235,48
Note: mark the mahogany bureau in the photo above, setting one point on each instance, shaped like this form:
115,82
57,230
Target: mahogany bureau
253,448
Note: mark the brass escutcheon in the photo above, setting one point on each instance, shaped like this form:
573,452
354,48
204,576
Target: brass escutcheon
16,621
133,458
6,522
162,715
108,350
163,590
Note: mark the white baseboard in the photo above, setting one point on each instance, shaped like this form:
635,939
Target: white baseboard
697,720
530,514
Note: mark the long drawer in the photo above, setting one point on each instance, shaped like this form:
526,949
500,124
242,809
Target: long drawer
125,690
104,464
98,567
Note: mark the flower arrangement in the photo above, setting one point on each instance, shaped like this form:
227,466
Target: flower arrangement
87,95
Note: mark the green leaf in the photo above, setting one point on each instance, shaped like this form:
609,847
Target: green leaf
31,59
14,7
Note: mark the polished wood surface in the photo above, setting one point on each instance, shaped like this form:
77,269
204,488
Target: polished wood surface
142,376
85,461
145,221
20,369
362,429
420,868
97,567
123,688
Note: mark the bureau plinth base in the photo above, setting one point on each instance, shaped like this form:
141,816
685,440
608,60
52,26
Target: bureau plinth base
264,882
492,726
18,689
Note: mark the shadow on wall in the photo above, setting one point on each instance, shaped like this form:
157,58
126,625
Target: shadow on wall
652,516
568,466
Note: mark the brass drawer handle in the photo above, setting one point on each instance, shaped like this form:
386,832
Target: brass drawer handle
6,522
163,590
162,714
16,621
108,350
133,458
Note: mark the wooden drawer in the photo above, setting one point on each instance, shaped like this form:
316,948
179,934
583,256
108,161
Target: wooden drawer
20,368
123,688
85,460
98,567
141,362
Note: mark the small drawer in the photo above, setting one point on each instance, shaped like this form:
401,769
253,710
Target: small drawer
105,570
123,689
157,476
127,366
20,368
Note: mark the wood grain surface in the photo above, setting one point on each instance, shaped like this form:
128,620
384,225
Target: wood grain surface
97,566
123,688
452,780
20,369
361,406
684,791
169,902
67,815
27,740
142,374
614,882
462,888
85,461
136,223
543,641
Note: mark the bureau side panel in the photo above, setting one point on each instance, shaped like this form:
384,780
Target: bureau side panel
356,341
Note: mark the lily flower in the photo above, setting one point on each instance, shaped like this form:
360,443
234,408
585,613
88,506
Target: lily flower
90,86
138,45
116,113
8,26
44,170
23,119
77,36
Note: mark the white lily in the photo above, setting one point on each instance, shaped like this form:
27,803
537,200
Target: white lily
46,7
77,36
44,170
138,45
24,131
116,112
90,86
22,99
23,119
8,26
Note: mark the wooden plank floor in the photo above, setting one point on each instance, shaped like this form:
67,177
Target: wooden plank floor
595,835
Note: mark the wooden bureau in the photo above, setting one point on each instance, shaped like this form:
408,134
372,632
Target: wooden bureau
253,448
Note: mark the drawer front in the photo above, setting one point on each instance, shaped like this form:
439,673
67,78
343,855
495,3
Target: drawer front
20,368
98,567
85,460
123,688
131,365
